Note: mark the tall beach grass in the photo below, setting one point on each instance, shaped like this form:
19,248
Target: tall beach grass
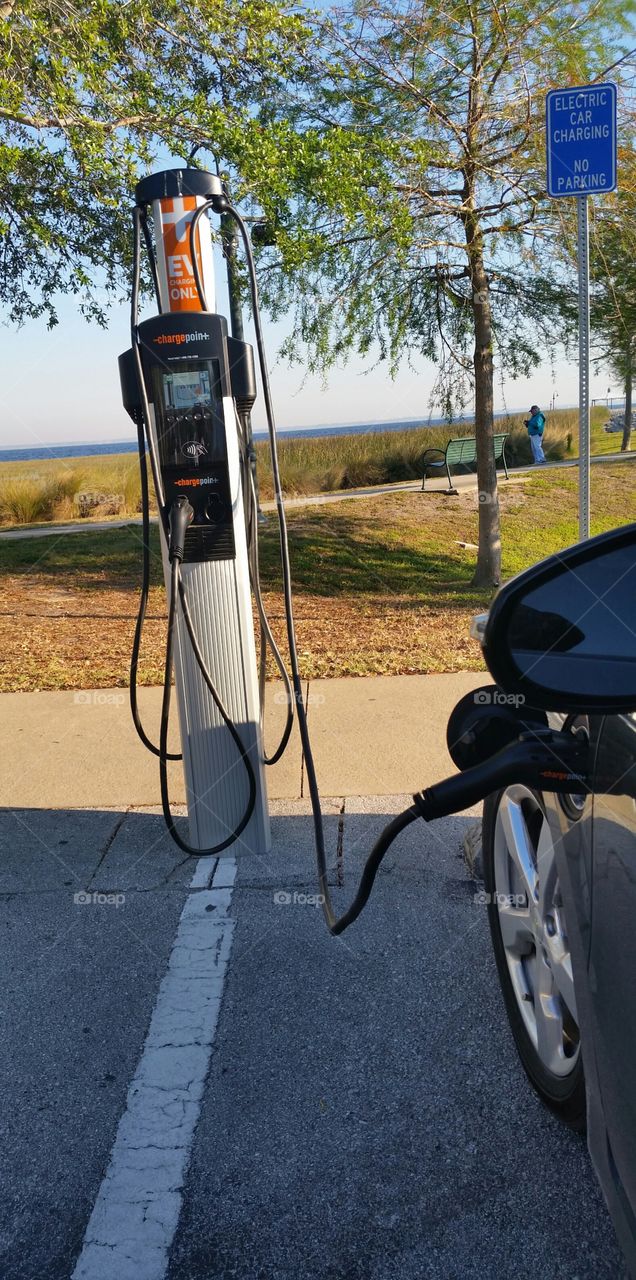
320,464
108,486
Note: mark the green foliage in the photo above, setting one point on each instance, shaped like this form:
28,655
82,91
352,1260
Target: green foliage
419,155
90,93
419,223
395,150
613,269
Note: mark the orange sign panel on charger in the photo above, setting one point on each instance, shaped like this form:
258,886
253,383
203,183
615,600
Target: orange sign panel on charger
172,219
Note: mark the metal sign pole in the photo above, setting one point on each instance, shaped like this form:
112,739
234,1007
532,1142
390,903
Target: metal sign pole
584,367
581,160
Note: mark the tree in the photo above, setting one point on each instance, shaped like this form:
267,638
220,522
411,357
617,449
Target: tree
613,300
416,216
90,94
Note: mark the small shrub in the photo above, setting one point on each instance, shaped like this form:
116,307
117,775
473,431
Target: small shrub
28,501
362,472
23,502
86,503
129,485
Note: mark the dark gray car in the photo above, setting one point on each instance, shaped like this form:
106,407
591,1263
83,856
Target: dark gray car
560,865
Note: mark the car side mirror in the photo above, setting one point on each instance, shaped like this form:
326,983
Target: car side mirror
562,635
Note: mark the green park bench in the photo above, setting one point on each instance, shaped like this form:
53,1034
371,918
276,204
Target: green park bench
462,452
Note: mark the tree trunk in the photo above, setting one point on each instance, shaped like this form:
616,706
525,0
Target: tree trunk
627,426
488,570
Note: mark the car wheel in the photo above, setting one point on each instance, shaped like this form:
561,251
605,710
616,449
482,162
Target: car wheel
529,934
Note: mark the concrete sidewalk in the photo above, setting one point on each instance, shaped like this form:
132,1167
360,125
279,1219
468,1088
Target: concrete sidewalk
378,735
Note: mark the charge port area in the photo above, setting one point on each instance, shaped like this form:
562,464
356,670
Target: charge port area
573,804
215,508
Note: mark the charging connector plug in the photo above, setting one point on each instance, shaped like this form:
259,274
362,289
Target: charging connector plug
179,520
542,759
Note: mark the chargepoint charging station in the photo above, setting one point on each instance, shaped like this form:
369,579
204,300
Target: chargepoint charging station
189,387
187,359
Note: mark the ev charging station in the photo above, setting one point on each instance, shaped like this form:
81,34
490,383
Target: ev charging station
186,363
189,387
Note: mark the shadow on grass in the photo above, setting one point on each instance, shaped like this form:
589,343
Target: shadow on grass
90,560
327,560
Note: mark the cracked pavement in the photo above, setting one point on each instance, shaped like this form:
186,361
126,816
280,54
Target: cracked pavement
202,1084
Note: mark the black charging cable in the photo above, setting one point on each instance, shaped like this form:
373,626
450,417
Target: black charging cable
141,224
143,598
545,759
251,521
336,924
266,637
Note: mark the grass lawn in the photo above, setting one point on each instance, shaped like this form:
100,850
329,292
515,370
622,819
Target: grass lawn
382,585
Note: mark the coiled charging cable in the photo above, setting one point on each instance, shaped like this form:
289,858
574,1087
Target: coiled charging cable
336,924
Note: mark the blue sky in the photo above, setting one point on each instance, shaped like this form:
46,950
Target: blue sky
63,385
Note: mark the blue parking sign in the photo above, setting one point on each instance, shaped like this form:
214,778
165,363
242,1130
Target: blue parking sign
581,140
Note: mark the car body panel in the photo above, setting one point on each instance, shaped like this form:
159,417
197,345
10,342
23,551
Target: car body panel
596,860
595,848
612,965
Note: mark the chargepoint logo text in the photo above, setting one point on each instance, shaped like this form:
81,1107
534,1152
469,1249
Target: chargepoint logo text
178,339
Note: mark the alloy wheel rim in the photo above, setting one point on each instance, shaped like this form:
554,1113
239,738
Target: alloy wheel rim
533,929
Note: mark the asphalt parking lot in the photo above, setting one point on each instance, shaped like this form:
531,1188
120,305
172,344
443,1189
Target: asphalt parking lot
201,1083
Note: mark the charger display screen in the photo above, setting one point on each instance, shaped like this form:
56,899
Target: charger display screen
187,389
189,420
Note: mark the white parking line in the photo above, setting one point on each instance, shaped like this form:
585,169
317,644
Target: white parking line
135,1216
202,874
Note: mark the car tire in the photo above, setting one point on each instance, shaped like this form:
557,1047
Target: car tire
526,964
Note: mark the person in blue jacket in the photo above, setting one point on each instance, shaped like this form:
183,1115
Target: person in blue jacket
535,424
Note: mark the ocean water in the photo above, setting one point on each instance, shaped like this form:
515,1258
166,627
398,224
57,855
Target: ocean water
92,448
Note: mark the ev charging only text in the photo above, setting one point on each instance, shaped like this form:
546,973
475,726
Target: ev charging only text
181,281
